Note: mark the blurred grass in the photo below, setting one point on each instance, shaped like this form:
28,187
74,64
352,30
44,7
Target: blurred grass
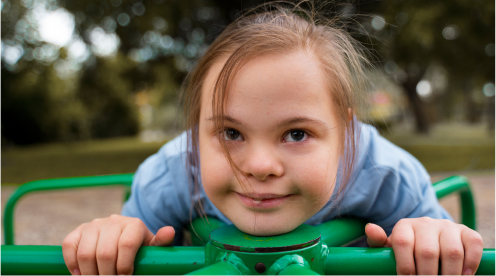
97,157
449,147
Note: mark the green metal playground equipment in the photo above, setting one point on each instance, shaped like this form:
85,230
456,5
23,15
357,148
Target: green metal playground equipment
223,249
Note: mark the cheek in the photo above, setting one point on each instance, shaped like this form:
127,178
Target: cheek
317,175
216,174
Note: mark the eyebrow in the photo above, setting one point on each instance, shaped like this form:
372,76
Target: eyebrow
285,122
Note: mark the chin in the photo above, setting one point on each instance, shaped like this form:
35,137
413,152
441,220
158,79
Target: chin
261,228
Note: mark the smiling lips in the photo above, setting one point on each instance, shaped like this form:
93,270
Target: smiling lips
262,201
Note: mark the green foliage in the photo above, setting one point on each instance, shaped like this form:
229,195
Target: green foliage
105,93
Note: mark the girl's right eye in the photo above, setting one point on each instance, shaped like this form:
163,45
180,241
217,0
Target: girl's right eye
231,134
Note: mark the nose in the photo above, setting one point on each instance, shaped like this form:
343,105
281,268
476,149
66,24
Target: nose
262,163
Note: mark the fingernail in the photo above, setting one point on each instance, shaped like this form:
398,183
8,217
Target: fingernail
367,224
468,271
76,272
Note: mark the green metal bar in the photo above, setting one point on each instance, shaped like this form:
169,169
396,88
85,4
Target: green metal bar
44,259
54,184
339,232
48,260
297,270
219,268
461,185
380,261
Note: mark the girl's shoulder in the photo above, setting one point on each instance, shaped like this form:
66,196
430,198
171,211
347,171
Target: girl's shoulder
378,155
388,184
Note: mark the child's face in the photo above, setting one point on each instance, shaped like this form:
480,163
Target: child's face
281,131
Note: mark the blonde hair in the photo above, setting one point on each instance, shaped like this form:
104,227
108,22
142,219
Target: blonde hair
279,28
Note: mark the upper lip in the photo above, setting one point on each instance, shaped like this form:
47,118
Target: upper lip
262,196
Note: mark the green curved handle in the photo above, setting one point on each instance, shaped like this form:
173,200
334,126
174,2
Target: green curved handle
460,185
55,184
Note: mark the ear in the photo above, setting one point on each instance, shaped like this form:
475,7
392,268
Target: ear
350,114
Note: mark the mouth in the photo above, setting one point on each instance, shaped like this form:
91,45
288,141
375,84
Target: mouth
263,201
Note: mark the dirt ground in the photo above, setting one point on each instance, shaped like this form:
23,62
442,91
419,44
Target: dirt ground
45,218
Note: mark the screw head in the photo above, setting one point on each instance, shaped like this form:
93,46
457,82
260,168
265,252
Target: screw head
260,267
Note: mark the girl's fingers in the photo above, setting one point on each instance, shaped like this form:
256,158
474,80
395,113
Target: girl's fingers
86,254
164,236
403,241
70,249
426,248
130,241
451,252
472,242
106,250
376,236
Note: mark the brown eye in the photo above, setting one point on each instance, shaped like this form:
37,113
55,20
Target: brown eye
231,134
296,135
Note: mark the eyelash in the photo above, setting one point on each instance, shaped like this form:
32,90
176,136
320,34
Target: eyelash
306,135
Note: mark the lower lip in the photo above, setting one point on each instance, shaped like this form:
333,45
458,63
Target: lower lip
263,204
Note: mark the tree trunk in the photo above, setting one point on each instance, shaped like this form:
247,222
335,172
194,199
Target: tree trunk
422,124
490,114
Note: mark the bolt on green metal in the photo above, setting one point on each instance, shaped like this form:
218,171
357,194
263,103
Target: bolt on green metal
301,250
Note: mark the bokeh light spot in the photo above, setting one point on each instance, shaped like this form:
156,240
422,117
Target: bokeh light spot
489,49
451,32
56,27
424,88
378,22
138,9
160,24
488,89
123,19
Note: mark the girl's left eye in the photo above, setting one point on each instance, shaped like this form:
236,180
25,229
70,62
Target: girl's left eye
231,134
296,135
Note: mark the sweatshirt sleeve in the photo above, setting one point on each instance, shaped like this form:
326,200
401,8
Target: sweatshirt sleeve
160,194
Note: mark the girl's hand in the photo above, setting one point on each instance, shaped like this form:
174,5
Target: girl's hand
109,245
419,244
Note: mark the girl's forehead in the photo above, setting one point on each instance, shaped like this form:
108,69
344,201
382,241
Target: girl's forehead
272,76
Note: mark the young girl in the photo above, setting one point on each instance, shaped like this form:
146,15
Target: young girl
272,142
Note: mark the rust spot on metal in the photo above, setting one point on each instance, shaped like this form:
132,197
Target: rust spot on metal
232,247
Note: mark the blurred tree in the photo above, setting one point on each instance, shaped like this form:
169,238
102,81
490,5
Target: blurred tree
84,86
114,49
456,35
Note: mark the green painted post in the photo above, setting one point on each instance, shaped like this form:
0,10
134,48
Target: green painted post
261,255
55,184
461,185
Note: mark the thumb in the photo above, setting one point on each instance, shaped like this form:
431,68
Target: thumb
164,237
376,236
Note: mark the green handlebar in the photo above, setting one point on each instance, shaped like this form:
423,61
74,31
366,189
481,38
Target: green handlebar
55,184
461,185
45,259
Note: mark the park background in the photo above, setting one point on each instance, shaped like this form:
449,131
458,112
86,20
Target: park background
90,88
